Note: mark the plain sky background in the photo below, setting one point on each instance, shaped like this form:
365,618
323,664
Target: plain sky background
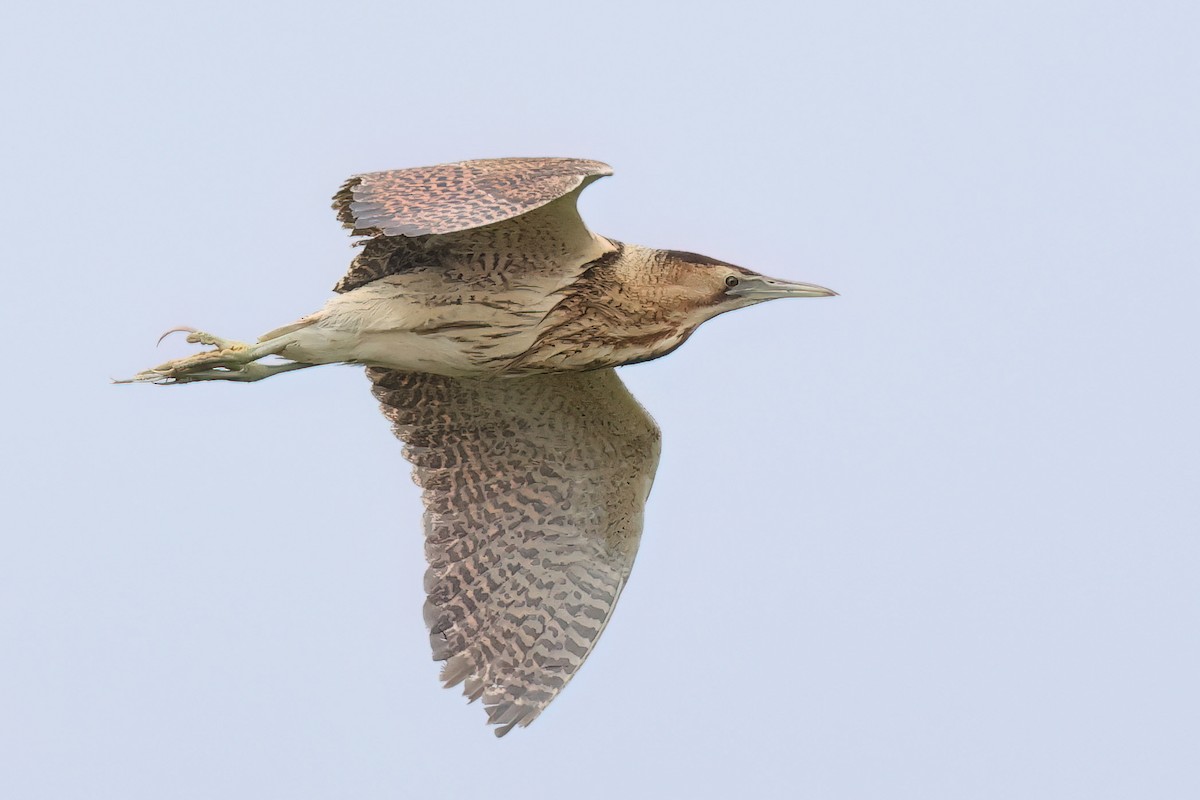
936,538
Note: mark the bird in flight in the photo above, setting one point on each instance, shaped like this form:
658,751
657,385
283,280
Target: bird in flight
490,320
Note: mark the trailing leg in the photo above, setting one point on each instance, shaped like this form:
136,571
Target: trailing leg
228,361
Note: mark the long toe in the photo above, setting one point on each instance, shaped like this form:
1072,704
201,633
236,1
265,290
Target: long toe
201,364
247,373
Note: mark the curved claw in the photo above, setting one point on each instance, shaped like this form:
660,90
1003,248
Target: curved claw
180,329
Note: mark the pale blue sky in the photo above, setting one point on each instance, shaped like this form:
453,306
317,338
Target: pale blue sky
936,538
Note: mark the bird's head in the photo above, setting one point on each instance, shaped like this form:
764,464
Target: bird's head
704,287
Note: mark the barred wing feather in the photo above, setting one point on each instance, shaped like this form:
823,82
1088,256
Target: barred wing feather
534,490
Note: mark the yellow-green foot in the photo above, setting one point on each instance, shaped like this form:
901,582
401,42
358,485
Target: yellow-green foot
229,360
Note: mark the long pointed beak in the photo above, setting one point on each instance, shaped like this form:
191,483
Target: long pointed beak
757,288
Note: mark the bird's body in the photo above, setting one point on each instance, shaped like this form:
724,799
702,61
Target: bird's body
500,320
490,318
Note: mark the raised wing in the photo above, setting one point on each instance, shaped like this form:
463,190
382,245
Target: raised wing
534,490
459,196
451,215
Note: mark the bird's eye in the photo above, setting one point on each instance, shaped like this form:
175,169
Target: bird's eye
731,281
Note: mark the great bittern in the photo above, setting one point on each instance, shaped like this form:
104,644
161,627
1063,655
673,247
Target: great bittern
490,318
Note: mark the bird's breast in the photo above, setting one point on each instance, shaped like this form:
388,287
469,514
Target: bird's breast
585,347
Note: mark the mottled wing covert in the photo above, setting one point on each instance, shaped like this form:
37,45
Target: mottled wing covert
534,490
502,215
459,196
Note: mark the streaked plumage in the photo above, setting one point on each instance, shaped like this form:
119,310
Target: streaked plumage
534,490
490,318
